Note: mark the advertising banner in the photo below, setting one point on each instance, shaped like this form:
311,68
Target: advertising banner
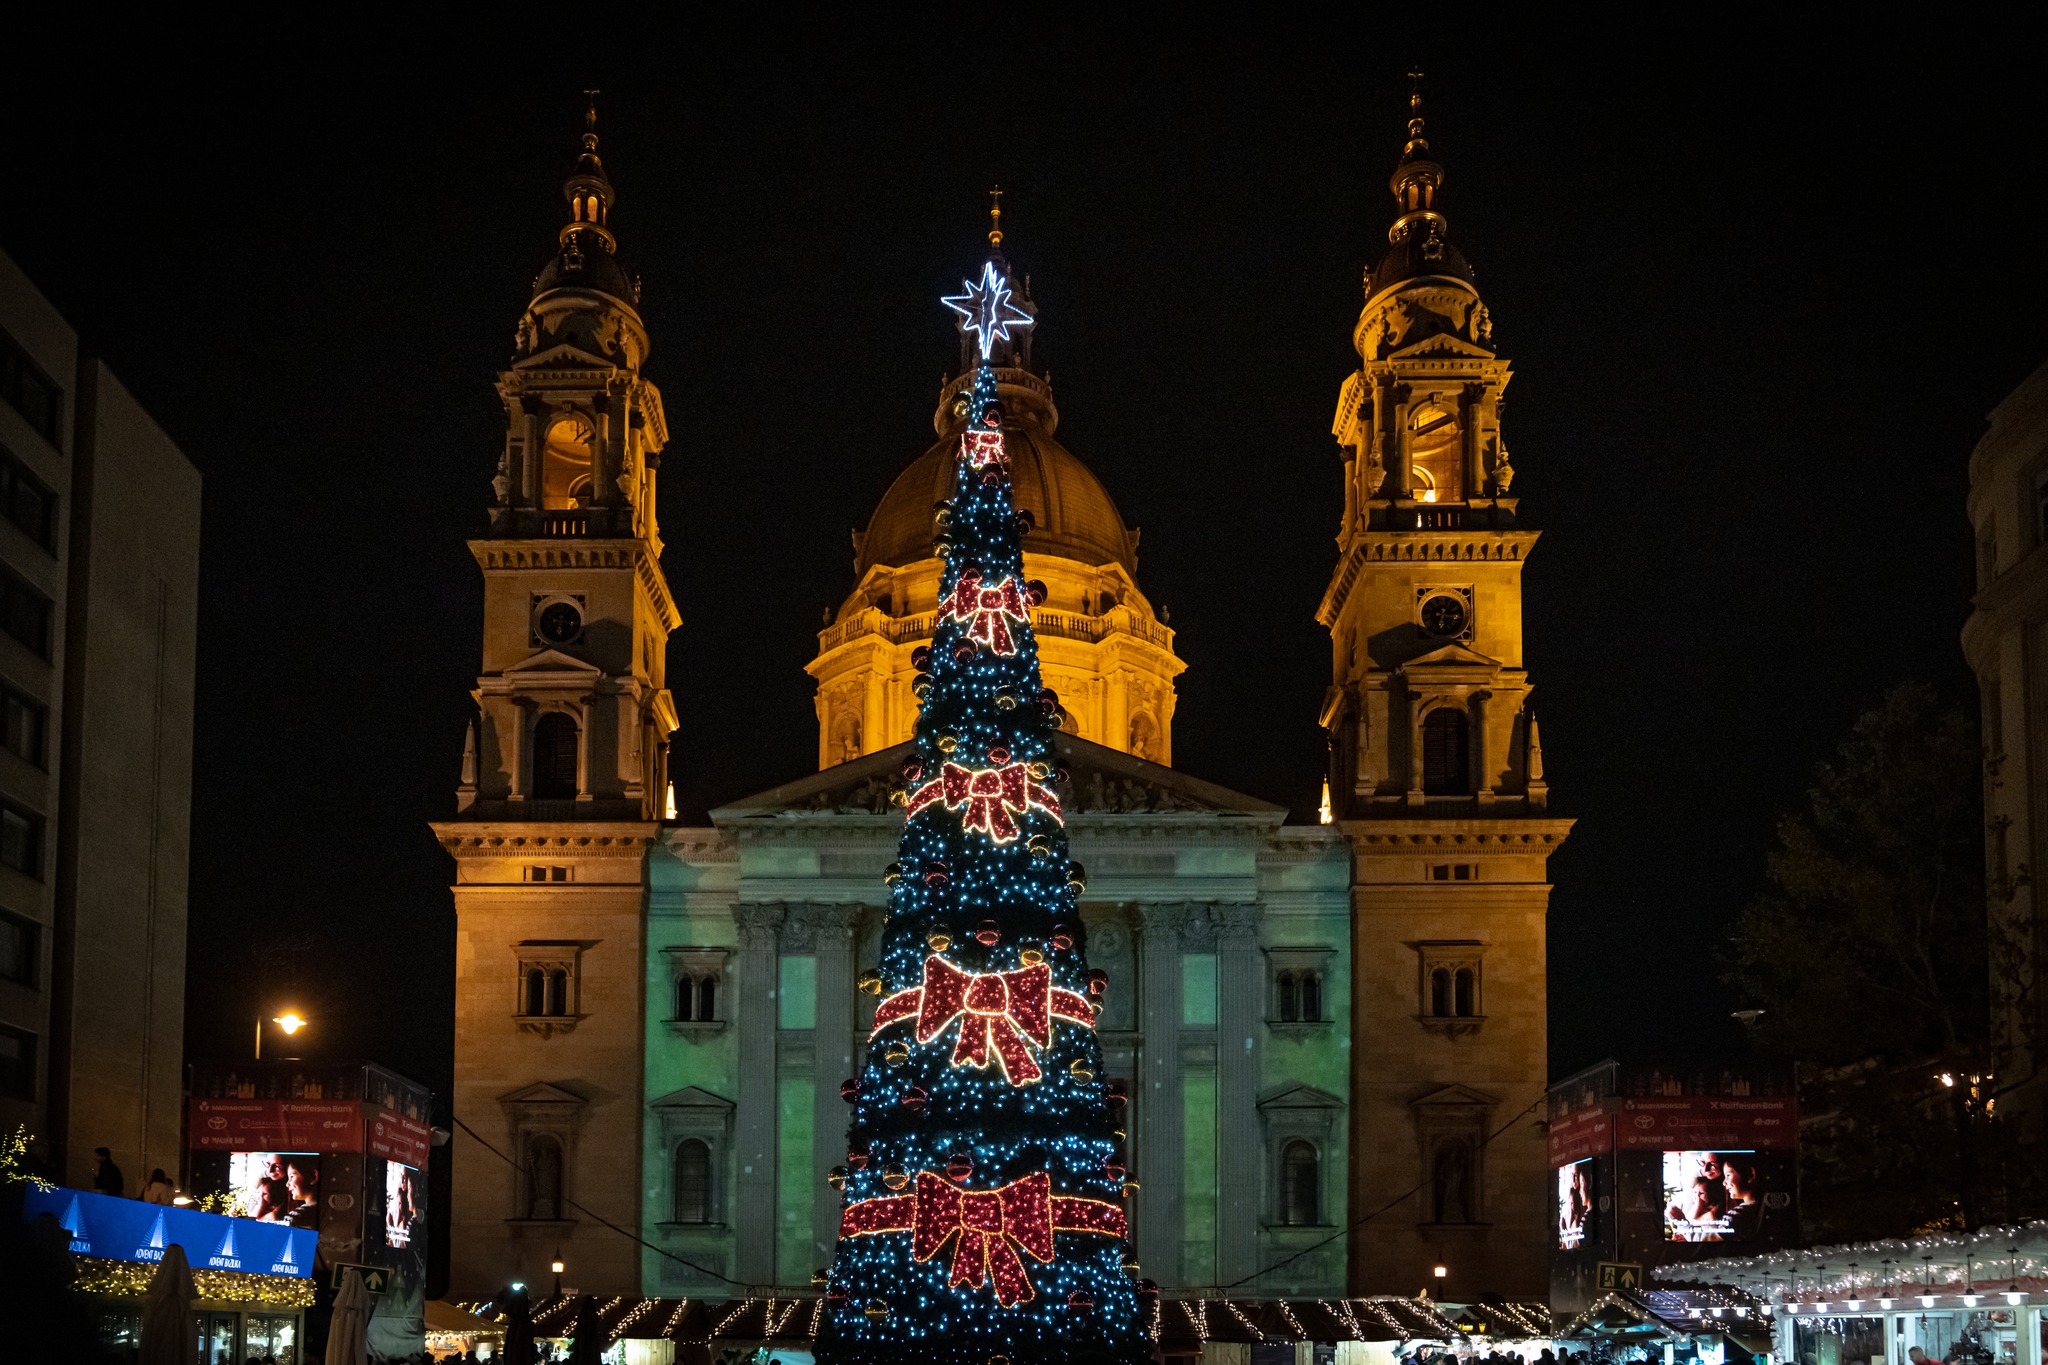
1580,1135
1698,1122
392,1135
130,1230
276,1126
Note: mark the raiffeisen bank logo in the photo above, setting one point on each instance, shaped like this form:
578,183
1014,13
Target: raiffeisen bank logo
225,1256
73,1222
285,1264
153,1249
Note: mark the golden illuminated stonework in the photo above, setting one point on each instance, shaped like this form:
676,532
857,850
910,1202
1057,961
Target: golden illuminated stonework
1101,646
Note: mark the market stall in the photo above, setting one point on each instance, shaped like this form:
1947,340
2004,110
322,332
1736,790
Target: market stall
254,1277
1975,1298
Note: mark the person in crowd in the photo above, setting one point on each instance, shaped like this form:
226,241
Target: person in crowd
107,1178
158,1188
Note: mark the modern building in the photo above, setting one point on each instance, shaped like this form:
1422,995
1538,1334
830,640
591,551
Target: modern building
2006,641
1436,778
653,1020
99,580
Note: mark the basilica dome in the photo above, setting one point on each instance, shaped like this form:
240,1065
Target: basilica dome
1074,515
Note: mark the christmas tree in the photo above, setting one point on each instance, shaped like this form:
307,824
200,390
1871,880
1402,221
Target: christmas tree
984,1183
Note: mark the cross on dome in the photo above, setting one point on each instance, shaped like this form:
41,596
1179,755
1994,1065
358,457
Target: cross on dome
985,309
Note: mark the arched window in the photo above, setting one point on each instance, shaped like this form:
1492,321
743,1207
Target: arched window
1451,1181
1290,1000
1300,1195
1440,993
565,461
554,757
707,999
1436,454
692,1202
1446,764
543,1176
1309,985
558,993
1463,993
685,999
535,997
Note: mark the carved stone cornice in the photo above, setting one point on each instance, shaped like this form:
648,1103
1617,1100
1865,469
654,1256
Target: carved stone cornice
1474,834
524,838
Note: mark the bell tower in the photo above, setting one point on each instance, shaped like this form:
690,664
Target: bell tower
1436,774
563,778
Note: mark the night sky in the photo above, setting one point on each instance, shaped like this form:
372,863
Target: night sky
1759,295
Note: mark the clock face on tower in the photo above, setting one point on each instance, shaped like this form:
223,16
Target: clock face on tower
559,623
1444,616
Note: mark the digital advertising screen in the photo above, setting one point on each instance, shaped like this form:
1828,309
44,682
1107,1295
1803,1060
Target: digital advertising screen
275,1187
1574,1203
403,1187
1717,1196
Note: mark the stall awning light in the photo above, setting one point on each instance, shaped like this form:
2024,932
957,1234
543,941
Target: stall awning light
1927,1300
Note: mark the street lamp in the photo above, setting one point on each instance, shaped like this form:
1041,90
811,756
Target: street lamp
557,1268
291,1021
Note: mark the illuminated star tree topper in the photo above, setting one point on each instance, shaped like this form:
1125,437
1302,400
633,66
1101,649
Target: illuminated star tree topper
985,309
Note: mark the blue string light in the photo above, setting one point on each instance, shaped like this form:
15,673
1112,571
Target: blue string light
986,904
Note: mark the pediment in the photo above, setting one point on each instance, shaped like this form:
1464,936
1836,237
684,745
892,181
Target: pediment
1455,1097
541,1092
1448,658
1102,781
1106,781
553,661
692,1097
861,786
565,355
1439,346
1300,1097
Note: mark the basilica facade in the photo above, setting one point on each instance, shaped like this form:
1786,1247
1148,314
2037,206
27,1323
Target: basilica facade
1332,1034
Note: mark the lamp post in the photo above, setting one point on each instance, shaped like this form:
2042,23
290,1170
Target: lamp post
291,1021
557,1268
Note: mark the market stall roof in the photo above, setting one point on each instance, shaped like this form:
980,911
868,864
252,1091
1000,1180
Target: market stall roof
456,1320
1626,1313
1179,1325
1988,1259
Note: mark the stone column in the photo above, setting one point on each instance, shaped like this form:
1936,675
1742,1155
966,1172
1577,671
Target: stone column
1390,411
1117,724
604,464
1415,793
1400,459
873,722
1482,751
832,1063
508,719
753,1206
1240,1165
526,489
1468,440
586,740
1156,1151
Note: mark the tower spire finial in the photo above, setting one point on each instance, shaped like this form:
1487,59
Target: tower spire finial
995,216
590,119
1415,110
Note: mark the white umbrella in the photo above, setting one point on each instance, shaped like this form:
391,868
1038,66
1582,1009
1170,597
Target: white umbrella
170,1335
348,1332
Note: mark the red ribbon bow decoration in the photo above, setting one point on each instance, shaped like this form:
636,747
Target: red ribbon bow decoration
984,448
987,611
991,797
991,1225
1002,1014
